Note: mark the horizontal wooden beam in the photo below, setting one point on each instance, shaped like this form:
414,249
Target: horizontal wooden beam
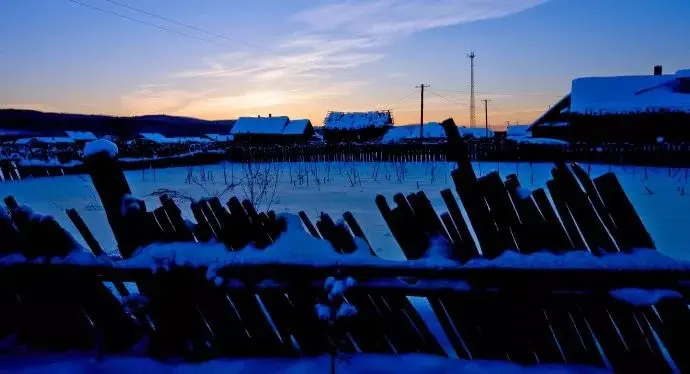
405,278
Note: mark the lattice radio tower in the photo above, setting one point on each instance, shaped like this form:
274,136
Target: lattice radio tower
473,107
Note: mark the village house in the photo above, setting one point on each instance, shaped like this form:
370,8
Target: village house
272,130
635,109
359,127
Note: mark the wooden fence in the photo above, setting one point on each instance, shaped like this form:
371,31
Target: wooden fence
671,155
527,315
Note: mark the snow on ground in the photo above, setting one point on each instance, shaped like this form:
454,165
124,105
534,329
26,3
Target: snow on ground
359,364
657,193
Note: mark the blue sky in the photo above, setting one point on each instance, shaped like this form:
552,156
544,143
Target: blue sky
302,58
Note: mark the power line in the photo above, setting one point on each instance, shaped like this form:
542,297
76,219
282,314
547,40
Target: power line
447,99
191,27
147,23
225,46
401,99
501,93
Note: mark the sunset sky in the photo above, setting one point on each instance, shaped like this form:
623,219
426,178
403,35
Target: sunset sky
303,58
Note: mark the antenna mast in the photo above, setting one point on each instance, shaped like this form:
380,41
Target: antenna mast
473,107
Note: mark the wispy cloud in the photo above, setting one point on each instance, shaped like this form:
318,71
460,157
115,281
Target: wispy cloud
333,39
159,99
390,19
306,57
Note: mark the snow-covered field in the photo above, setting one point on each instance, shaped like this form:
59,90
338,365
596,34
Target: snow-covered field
657,193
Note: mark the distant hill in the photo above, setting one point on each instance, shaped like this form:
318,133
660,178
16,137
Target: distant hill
55,123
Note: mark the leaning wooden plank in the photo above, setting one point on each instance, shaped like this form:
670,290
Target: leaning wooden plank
434,226
668,326
93,244
405,314
477,211
591,227
623,212
204,230
468,249
308,224
68,325
597,202
561,239
565,216
455,238
371,308
183,233
502,211
616,338
387,214
243,226
111,185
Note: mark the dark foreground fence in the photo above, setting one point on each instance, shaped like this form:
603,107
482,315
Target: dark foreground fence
518,277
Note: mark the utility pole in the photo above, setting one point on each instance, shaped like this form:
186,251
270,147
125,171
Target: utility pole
486,115
421,111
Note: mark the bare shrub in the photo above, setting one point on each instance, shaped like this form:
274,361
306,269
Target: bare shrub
259,184
400,168
353,176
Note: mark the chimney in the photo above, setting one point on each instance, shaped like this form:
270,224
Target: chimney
658,70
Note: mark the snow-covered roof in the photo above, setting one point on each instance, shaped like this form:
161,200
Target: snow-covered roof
629,94
395,134
555,124
281,125
220,137
541,141
189,139
81,135
296,127
45,139
157,138
517,130
15,132
357,120
683,74
476,132
260,125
